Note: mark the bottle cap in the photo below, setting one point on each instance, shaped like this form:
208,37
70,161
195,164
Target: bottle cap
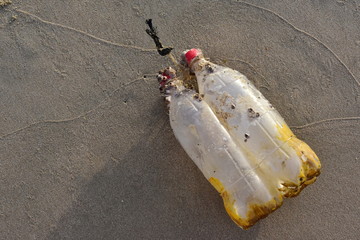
191,54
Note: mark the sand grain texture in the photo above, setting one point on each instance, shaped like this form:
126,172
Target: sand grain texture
3,3
86,148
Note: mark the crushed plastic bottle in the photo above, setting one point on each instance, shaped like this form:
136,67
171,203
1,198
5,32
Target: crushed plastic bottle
237,139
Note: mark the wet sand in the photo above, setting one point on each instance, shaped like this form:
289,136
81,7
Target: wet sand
86,148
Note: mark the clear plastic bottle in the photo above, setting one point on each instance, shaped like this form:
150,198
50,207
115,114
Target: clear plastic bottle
239,141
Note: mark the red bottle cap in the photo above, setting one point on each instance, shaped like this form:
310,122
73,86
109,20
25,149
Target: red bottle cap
191,54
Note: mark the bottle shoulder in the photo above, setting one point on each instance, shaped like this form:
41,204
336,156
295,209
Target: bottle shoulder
205,66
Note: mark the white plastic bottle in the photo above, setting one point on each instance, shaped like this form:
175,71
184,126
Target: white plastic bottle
239,141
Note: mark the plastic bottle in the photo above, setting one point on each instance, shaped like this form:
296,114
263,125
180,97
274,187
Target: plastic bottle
238,140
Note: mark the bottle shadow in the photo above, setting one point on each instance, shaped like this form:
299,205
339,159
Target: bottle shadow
154,191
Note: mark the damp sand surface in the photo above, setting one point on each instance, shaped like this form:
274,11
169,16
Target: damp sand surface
86,147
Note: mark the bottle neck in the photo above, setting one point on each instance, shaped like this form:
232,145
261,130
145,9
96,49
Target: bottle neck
202,68
199,65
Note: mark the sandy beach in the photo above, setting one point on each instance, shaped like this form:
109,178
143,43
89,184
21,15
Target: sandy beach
86,148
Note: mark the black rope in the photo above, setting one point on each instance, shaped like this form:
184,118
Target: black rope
151,31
